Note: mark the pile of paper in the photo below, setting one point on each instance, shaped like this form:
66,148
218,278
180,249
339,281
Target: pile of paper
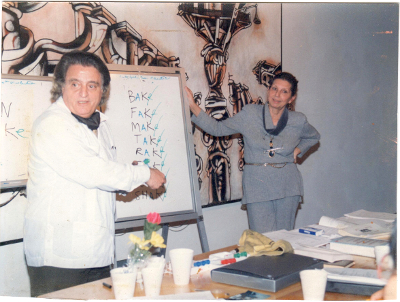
308,245
372,230
362,223
322,253
363,214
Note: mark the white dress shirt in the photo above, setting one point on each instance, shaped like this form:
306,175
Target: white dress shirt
69,221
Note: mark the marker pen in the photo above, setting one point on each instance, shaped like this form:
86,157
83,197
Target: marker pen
107,285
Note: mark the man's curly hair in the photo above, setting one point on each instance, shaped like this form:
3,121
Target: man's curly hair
80,58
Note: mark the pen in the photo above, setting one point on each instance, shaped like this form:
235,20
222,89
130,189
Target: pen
224,261
107,285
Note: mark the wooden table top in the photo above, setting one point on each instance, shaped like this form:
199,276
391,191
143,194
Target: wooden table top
96,290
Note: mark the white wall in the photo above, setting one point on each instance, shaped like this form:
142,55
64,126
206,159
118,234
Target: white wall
347,70
345,57
14,278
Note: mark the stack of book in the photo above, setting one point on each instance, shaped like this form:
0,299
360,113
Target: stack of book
361,231
356,245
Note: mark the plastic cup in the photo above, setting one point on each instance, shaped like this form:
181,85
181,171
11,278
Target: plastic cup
153,275
383,257
124,281
384,261
181,261
313,284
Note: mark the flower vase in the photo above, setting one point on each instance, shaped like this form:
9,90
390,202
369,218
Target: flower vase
138,257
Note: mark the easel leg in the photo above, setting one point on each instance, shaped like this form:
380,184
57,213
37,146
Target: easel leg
115,254
164,234
203,235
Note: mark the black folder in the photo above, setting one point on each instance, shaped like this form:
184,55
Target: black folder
269,273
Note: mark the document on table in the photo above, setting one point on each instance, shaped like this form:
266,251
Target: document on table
296,239
363,214
358,227
322,253
355,275
201,295
359,221
334,222
377,230
350,222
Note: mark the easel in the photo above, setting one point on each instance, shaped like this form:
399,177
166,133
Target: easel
183,213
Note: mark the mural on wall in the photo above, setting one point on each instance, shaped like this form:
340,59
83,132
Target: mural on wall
94,27
217,24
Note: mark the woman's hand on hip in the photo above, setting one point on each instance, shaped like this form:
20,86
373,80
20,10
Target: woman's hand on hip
296,152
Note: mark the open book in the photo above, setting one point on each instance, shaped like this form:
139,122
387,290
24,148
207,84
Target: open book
367,230
359,227
321,253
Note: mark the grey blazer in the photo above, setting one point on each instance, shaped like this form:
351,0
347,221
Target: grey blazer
262,183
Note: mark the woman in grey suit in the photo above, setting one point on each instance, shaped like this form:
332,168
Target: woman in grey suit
273,139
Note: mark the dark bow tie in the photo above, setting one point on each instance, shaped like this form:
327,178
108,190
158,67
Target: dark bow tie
92,122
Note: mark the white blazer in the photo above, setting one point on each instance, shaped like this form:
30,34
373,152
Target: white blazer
69,221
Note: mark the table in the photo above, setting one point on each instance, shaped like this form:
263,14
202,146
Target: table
96,290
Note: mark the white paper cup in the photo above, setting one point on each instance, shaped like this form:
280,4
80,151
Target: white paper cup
124,281
384,261
383,257
313,284
152,277
181,261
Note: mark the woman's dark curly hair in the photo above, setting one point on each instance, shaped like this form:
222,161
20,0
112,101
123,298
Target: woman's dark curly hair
289,78
80,58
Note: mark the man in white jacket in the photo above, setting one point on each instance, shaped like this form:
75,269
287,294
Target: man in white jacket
73,174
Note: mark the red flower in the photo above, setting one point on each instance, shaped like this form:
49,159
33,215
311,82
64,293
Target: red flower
154,217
